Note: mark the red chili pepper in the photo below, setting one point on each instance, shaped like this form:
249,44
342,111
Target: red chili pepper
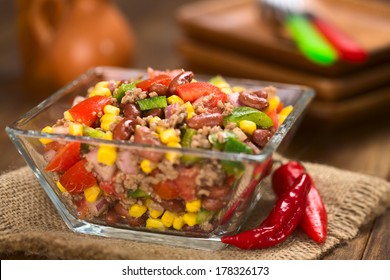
280,223
314,222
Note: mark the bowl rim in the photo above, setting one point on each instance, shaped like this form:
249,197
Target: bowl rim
14,129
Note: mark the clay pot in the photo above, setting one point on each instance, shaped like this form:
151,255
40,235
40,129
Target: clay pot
61,39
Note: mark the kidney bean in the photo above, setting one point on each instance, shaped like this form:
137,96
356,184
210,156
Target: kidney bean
173,205
260,93
181,79
112,217
121,211
212,204
136,222
124,129
261,137
156,112
219,191
130,110
199,121
144,135
160,89
251,99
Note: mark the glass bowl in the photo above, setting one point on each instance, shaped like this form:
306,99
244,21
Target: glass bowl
245,188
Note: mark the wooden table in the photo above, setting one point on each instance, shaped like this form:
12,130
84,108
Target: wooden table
362,147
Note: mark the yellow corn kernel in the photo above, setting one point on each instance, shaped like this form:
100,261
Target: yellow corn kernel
286,110
155,213
178,222
92,193
109,109
152,223
190,109
193,206
169,135
60,187
101,88
273,103
237,89
107,120
190,219
107,155
248,126
76,129
160,129
46,129
168,218
68,116
173,156
137,210
108,135
147,166
154,119
175,99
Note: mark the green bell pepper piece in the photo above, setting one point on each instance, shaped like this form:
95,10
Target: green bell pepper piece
121,91
249,114
91,132
152,103
138,193
234,145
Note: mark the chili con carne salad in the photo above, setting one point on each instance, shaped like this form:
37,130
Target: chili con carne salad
157,190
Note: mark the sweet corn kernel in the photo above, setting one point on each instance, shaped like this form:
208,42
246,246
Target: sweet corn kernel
248,126
68,116
60,186
175,99
137,210
173,156
190,219
46,129
108,135
178,222
107,155
286,110
76,129
147,166
154,119
152,223
168,218
193,206
190,109
109,109
237,89
273,103
92,193
107,120
169,135
155,213
102,89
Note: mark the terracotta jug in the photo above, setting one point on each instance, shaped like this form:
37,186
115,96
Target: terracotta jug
61,39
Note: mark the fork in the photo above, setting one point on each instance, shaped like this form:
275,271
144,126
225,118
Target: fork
318,40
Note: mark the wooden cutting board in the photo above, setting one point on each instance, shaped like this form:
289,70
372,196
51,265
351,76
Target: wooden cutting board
237,25
232,63
212,60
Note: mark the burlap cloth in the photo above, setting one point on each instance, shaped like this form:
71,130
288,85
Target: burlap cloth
30,224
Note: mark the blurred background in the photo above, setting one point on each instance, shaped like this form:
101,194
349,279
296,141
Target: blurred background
46,43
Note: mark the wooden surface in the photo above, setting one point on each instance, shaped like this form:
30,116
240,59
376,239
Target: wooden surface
362,147
239,25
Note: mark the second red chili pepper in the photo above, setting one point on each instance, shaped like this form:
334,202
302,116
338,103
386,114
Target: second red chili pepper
314,222
281,222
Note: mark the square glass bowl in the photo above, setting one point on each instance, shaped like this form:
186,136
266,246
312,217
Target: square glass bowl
245,188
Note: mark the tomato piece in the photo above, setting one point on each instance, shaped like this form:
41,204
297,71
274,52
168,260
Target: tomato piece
108,188
86,112
192,91
77,178
160,79
166,190
274,117
185,183
65,157
54,145
280,107
82,208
